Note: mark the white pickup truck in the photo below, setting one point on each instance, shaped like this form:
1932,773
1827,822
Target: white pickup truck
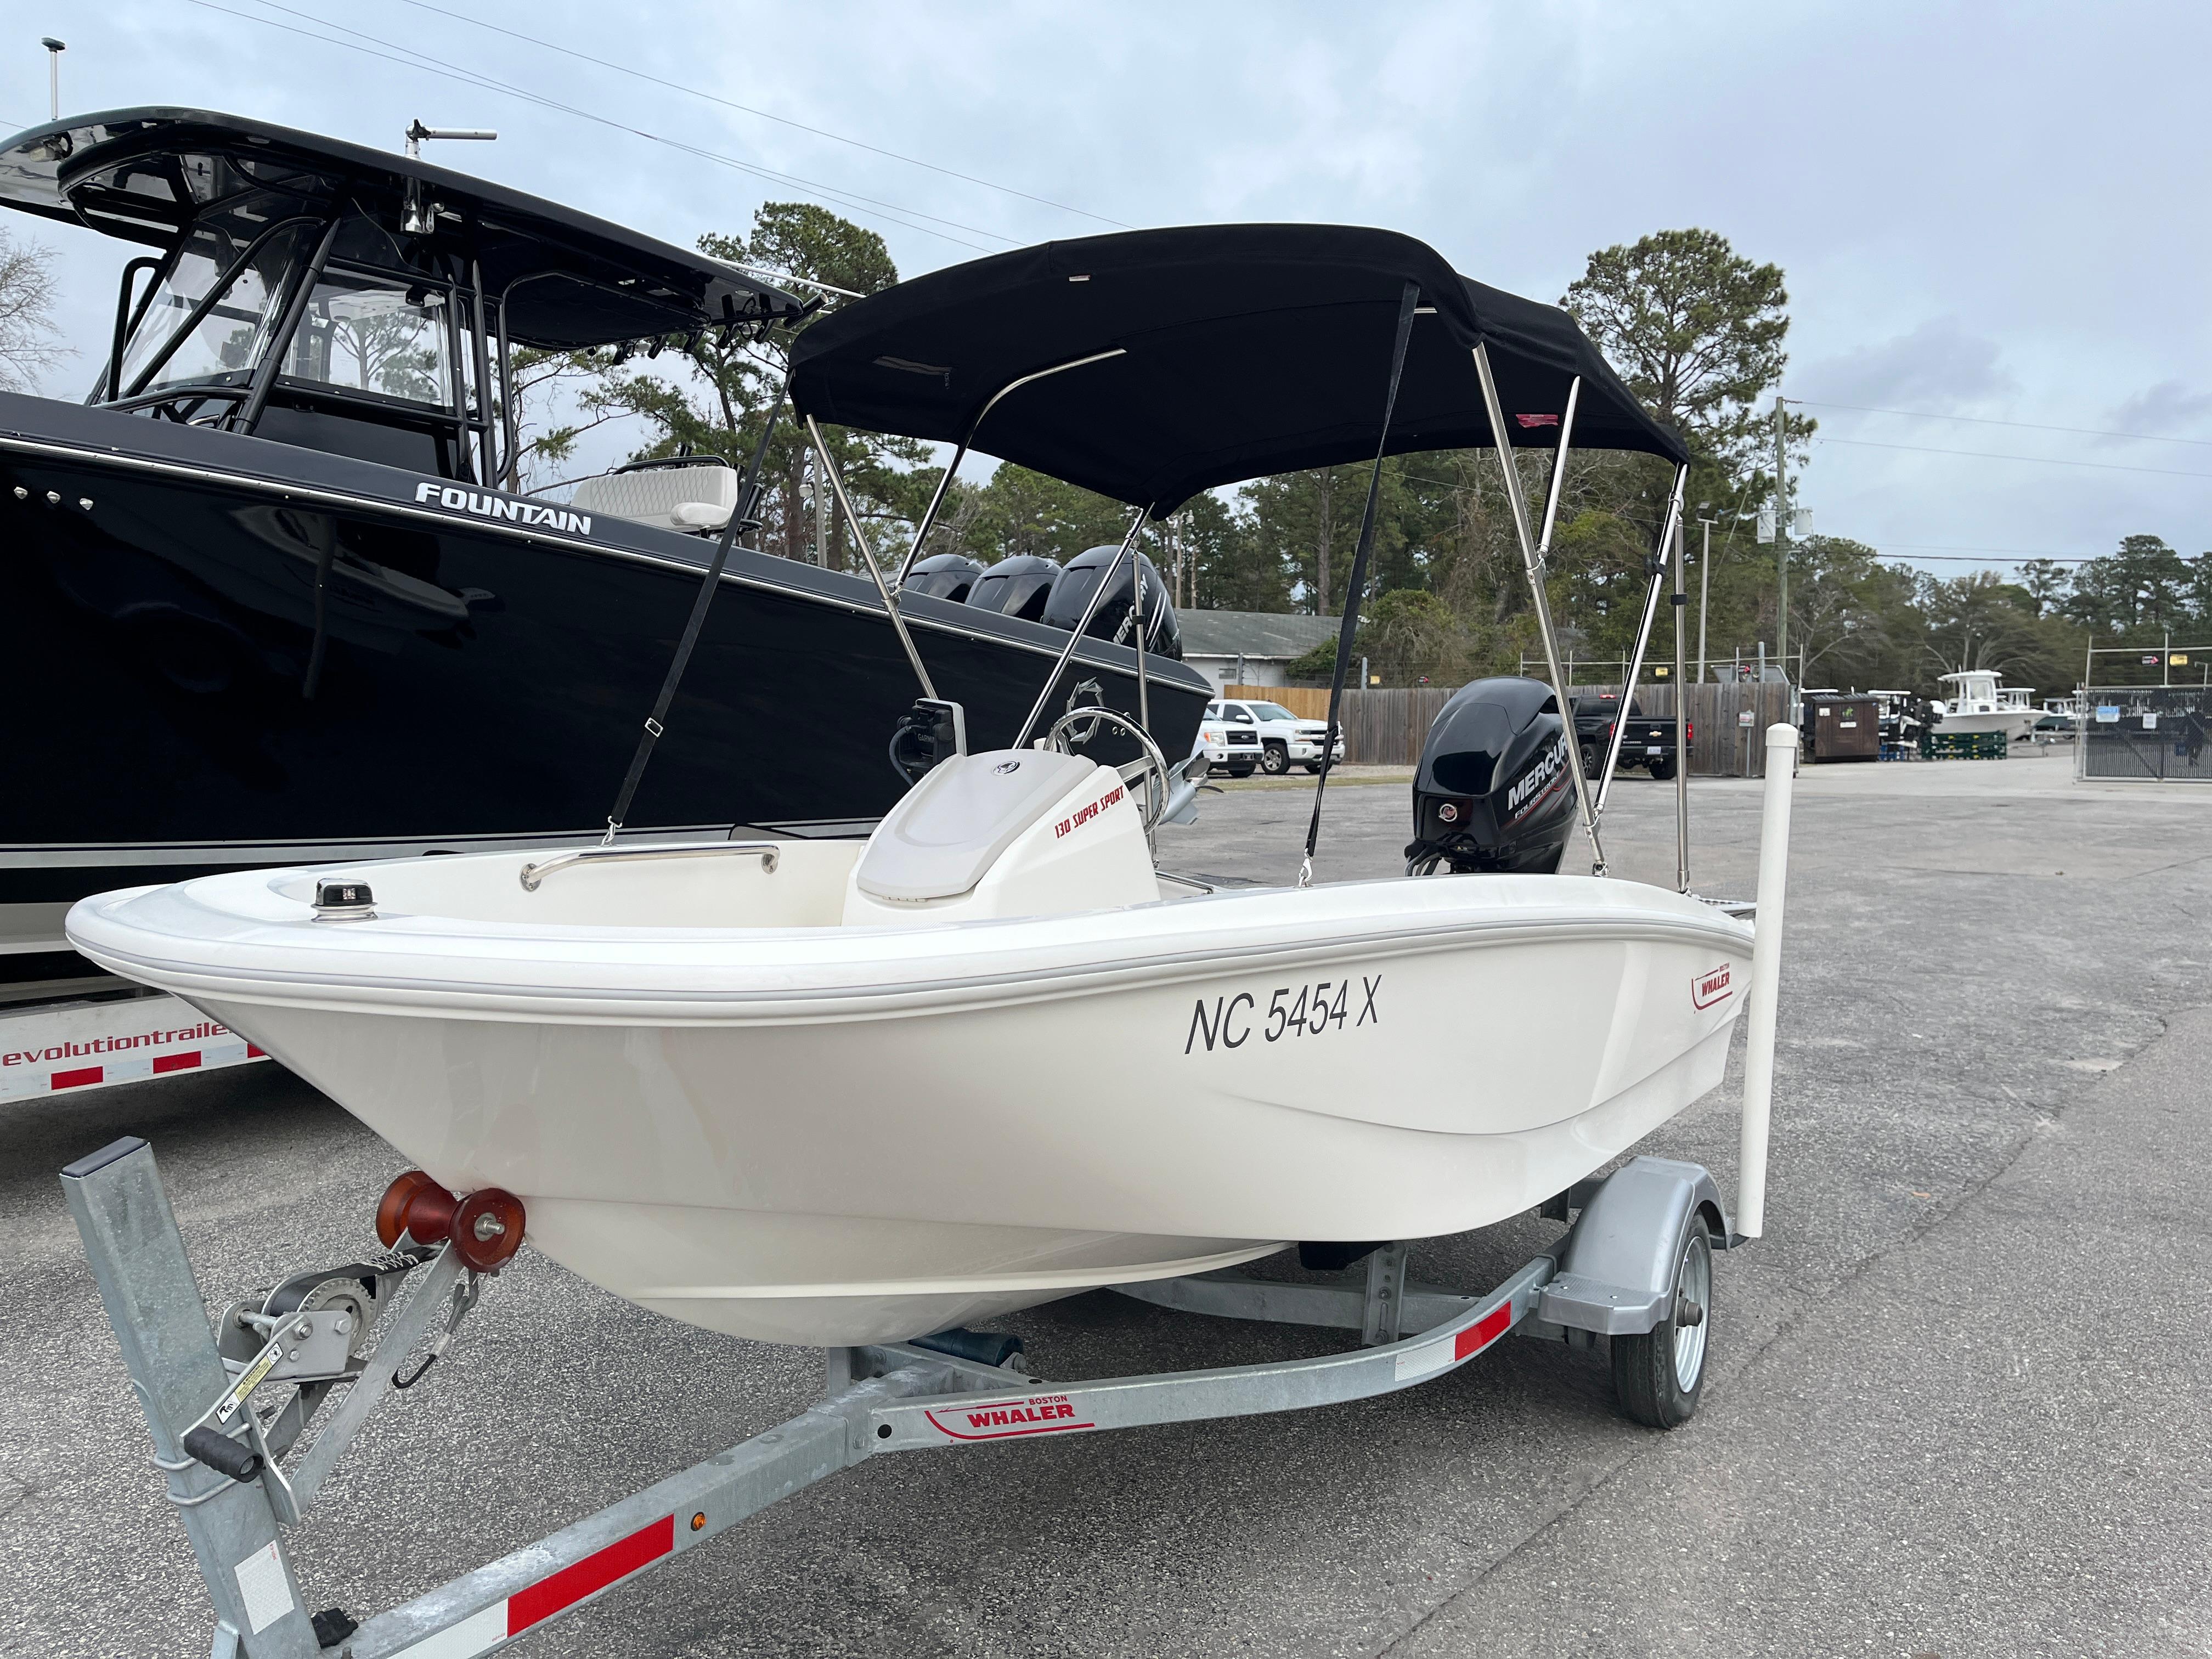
1284,739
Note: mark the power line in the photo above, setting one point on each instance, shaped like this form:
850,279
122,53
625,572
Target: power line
844,198
2024,426
765,115
2039,460
887,212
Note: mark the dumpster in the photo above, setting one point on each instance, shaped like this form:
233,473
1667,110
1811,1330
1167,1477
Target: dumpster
1843,728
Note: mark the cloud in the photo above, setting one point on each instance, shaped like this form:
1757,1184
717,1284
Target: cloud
2169,409
1939,364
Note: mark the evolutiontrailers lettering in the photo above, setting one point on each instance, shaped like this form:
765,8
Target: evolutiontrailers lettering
507,509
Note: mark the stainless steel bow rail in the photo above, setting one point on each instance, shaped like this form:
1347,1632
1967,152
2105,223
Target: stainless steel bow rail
1635,1266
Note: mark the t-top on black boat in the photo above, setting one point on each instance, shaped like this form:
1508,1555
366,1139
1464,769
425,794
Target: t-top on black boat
264,600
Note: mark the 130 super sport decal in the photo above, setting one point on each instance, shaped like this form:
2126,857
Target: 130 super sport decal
1325,1005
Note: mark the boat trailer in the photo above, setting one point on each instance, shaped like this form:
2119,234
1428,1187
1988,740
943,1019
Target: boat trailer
1634,1267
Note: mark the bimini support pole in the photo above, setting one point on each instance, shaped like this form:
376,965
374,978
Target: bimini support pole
1681,720
1532,557
960,454
1766,981
1664,550
741,518
1082,626
868,557
1355,590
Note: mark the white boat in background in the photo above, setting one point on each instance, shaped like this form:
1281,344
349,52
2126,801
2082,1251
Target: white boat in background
827,1092
1980,703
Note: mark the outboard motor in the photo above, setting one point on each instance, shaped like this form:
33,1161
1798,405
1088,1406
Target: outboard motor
944,576
1020,586
1163,633
1493,792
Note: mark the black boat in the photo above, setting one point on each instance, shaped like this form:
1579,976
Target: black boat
264,600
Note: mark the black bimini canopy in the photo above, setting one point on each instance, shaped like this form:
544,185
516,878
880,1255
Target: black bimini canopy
1236,351
144,175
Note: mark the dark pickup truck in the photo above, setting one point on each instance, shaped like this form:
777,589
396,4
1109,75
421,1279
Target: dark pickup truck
1648,743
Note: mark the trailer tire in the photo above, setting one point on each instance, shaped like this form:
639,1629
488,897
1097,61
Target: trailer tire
1660,1375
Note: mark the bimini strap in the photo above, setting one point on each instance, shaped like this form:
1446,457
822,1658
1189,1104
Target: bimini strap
740,520
1357,589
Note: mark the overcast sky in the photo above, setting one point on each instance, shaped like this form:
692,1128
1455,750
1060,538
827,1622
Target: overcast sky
1983,210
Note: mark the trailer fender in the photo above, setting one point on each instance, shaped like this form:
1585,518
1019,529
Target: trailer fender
1617,1268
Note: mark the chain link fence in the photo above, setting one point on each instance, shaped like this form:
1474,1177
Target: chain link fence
2145,733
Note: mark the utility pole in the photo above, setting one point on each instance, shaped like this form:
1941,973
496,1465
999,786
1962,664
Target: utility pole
54,51
1782,525
1705,592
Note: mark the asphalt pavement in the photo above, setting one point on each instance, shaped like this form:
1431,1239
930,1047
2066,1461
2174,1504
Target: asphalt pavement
1958,1396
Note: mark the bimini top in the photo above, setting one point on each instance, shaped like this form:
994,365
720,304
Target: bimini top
1222,353
146,174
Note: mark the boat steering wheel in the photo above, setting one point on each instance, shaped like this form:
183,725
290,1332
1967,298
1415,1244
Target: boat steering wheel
1151,765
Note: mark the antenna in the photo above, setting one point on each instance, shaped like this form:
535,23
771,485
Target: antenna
416,132
54,51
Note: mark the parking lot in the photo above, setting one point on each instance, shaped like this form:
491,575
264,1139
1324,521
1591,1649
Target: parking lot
1957,1408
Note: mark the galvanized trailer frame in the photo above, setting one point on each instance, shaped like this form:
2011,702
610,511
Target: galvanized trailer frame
1614,1273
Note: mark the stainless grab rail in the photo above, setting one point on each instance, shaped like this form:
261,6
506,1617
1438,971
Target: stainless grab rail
767,851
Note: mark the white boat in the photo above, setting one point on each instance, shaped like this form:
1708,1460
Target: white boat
1980,703
773,1102
828,1093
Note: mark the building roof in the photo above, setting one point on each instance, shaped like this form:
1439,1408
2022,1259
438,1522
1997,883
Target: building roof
1258,635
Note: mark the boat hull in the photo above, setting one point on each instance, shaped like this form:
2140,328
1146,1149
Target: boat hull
831,1136
2015,723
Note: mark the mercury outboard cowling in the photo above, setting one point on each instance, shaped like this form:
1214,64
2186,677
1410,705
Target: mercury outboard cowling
1493,792
1018,586
944,576
1163,633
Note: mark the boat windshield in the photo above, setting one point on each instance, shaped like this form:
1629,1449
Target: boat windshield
198,328
371,334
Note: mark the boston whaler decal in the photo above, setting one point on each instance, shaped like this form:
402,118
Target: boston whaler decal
1711,986
508,509
1325,1005
1041,1413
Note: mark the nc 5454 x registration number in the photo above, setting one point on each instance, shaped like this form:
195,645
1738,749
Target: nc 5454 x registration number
1315,1010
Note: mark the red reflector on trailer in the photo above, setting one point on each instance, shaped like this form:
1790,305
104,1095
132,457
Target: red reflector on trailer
252,1053
176,1062
1484,1332
590,1575
79,1077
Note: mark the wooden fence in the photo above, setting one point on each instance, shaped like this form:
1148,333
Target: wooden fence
1388,727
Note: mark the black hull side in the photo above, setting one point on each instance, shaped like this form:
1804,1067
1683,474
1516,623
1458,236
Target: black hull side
179,691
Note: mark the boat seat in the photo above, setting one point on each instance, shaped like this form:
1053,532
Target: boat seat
945,835
690,498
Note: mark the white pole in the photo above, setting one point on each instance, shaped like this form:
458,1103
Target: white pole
1765,983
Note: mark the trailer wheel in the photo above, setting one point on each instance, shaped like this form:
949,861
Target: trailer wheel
1660,1374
